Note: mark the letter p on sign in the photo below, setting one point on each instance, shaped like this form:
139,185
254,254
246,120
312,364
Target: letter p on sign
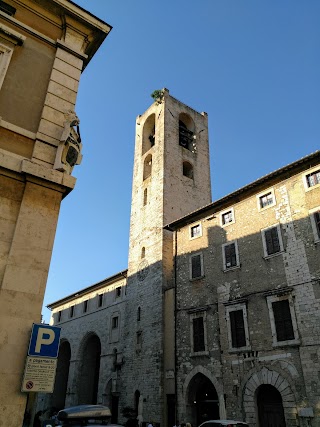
45,337
44,341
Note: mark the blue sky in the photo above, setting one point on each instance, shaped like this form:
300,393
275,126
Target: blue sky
253,66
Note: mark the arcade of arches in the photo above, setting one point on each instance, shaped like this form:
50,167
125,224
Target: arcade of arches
88,369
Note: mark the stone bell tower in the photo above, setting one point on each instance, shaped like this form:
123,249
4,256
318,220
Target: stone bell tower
171,178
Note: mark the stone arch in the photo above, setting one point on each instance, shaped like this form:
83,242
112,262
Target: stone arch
186,132
88,374
268,377
196,371
62,375
148,134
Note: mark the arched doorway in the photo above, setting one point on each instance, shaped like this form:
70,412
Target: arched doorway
89,370
202,400
270,407
62,374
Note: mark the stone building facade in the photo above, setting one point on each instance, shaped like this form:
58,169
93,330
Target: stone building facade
44,46
91,349
247,302
221,314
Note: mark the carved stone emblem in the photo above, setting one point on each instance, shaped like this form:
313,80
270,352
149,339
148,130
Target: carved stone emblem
69,150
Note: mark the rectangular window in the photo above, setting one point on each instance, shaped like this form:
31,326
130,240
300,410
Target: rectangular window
272,240
100,300
59,316
227,217
71,312
282,320
230,255
238,329
85,306
195,231
266,200
313,178
196,266
238,334
118,292
198,335
115,322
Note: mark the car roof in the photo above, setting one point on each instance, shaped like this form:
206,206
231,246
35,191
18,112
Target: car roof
223,422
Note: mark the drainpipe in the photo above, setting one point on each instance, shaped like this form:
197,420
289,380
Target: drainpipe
175,327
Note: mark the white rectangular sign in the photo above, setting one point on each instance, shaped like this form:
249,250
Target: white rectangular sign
39,374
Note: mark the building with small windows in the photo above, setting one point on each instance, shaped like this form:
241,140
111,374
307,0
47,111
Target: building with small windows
94,314
220,313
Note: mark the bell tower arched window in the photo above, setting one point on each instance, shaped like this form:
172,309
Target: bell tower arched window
147,166
148,134
186,132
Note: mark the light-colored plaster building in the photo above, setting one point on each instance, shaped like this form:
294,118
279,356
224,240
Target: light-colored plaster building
220,316
44,47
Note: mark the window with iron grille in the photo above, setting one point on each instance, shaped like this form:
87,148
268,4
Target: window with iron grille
230,255
196,266
238,333
198,335
272,241
282,320
313,178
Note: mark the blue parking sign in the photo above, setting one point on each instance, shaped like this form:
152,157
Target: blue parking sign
44,340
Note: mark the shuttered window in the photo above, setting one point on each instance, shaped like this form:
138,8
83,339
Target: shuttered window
282,320
230,255
238,334
196,266
272,240
198,334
